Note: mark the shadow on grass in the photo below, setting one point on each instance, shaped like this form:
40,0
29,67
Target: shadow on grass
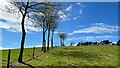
77,54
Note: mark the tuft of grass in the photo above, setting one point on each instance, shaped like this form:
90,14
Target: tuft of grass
15,54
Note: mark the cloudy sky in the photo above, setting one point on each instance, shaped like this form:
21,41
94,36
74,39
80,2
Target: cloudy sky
85,21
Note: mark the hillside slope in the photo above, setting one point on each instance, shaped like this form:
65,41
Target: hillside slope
79,56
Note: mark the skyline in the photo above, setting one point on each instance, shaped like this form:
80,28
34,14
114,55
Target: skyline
86,21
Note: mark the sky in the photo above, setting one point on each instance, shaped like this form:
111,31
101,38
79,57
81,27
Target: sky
85,21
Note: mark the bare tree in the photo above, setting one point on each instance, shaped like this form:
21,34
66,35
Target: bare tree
24,8
62,36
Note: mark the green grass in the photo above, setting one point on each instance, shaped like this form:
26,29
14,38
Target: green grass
79,56
15,54
70,56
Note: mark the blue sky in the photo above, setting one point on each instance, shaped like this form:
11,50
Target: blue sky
85,21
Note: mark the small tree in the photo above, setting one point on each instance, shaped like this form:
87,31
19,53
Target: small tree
62,36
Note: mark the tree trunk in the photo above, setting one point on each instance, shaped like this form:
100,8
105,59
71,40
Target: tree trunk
48,38
61,41
44,42
52,39
23,34
23,39
8,64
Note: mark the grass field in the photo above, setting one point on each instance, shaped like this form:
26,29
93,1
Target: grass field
79,56
71,56
15,54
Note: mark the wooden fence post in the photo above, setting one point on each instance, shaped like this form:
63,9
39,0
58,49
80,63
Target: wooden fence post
8,59
33,52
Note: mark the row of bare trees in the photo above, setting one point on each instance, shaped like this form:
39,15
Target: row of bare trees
46,19
43,15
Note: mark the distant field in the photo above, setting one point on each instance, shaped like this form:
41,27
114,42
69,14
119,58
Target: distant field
70,56
79,56
15,53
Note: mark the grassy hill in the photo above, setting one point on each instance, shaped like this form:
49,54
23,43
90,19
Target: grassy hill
71,56
79,56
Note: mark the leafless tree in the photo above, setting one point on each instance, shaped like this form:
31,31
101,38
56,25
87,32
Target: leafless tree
24,8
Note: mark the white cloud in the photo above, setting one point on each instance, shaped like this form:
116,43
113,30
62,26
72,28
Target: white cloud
56,32
80,26
69,8
114,42
80,11
2,48
16,27
64,16
33,46
98,28
13,21
92,38
80,4
72,38
81,7
75,18
8,16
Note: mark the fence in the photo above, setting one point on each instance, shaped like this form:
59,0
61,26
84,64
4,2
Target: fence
10,55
